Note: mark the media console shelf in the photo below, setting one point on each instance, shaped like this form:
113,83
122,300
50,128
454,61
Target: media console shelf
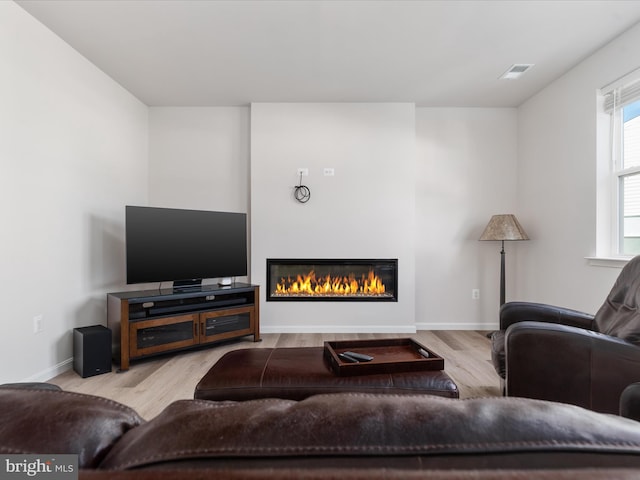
149,322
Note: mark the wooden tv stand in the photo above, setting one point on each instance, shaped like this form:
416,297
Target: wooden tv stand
148,322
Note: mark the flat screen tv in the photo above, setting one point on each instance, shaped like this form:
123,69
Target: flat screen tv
184,246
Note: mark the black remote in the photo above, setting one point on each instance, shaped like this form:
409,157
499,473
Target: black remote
359,356
347,358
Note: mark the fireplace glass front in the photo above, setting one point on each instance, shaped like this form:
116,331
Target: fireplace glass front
332,280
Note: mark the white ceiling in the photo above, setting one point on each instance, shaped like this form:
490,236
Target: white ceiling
433,53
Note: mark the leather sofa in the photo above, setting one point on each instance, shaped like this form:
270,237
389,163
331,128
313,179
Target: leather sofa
352,436
558,354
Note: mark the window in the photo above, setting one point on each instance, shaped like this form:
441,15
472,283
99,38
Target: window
628,179
622,104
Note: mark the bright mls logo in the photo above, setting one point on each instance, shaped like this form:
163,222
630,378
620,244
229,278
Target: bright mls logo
53,467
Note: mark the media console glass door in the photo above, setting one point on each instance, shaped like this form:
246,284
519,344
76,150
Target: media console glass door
215,326
153,336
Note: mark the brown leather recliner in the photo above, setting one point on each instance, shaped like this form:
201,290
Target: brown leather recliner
558,354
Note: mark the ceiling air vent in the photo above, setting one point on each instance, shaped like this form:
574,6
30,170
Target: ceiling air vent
516,70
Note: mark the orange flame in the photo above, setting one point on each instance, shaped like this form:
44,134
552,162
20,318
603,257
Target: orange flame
308,284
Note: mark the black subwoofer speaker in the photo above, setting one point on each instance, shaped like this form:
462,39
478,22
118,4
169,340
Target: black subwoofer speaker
91,350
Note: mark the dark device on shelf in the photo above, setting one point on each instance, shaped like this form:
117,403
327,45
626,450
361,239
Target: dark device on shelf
184,246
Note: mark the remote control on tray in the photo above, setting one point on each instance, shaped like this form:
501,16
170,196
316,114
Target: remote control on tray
361,357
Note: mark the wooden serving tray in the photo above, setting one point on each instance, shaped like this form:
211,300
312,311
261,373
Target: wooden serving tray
391,355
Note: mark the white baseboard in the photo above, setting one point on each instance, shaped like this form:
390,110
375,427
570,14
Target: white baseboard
51,372
376,328
458,326
337,329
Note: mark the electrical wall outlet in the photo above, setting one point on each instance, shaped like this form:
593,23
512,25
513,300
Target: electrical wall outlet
303,171
38,323
329,172
475,294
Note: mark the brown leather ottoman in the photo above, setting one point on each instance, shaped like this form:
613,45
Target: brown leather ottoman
298,373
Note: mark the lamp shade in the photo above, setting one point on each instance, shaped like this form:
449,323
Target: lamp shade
504,227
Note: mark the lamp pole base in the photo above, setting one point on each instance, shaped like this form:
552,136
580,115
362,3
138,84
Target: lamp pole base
502,296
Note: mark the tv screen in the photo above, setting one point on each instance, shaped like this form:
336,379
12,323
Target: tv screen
184,246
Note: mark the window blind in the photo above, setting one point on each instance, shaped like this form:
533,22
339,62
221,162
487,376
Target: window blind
622,95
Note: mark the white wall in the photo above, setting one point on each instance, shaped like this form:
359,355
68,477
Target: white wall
199,158
73,152
557,181
466,172
367,210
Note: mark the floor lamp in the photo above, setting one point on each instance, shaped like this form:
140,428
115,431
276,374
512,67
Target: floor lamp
503,227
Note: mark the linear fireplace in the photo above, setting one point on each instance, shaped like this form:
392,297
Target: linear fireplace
332,280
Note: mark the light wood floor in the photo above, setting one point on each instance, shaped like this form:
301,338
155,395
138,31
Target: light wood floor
150,385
